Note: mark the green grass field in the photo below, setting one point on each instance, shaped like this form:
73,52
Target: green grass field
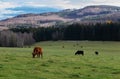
61,63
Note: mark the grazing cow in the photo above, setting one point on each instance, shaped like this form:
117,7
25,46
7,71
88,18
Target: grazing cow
79,53
37,51
81,46
96,53
63,46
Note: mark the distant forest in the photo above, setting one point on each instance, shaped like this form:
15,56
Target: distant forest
94,32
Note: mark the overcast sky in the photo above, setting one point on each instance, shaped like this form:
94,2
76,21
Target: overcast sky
9,8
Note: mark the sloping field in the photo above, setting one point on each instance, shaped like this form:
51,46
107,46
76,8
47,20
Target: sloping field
59,61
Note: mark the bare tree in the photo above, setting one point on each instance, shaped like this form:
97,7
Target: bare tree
11,39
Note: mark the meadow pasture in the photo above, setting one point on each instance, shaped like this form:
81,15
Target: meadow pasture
60,62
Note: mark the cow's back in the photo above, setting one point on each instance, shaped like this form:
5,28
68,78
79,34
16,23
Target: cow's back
37,49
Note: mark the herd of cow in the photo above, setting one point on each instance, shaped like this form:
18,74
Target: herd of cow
82,53
37,51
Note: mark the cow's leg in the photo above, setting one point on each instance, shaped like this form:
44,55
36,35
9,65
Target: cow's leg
41,55
38,55
82,54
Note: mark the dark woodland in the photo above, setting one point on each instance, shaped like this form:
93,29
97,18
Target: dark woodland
93,32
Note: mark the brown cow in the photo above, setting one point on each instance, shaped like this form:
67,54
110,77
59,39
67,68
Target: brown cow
37,51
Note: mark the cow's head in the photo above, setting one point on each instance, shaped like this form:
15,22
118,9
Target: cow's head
33,54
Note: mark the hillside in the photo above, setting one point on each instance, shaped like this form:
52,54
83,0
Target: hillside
87,14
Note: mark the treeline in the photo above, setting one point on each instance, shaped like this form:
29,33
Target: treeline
11,39
21,36
94,32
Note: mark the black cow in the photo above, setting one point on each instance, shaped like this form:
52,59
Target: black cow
96,52
79,53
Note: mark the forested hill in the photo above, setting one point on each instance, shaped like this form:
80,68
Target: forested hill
76,31
93,32
89,14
